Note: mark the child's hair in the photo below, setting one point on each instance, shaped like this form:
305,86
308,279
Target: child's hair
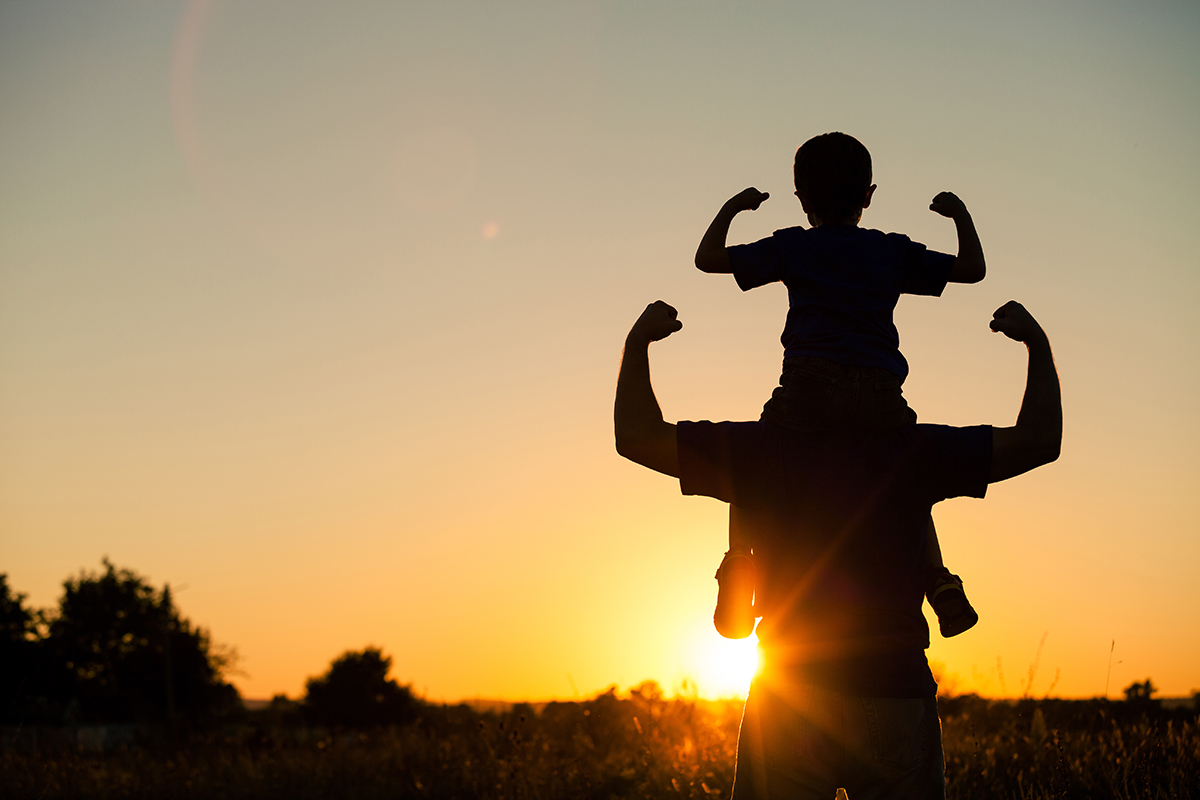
833,172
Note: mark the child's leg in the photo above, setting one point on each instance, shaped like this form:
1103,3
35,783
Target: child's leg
945,590
734,615
933,551
811,396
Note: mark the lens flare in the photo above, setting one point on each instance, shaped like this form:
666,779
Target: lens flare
724,667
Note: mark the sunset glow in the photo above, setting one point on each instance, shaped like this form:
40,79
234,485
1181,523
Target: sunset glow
725,667
316,310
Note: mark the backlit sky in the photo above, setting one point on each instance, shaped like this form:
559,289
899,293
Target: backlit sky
314,311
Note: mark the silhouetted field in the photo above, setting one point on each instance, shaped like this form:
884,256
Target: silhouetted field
636,746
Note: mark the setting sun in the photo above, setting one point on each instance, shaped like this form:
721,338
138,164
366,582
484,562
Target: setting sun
724,667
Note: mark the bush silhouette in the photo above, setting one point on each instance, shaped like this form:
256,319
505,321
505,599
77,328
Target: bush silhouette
356,693
1140,692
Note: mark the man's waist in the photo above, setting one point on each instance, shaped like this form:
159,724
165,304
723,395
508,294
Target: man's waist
861,670
794,652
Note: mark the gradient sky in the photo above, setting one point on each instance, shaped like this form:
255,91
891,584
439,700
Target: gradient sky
315,311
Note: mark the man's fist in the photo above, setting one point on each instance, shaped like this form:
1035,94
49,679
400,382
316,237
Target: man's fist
658,321
948,205
1016,323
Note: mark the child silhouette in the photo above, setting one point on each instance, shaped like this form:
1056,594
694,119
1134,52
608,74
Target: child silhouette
842,367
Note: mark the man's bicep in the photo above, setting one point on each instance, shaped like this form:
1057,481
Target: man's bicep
1010,455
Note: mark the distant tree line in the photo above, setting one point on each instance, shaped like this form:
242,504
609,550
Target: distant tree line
114,650
117,650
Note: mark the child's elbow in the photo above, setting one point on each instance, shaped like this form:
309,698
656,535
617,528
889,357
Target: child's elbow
967,271
712,262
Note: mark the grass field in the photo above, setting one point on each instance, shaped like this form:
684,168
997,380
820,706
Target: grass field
639,745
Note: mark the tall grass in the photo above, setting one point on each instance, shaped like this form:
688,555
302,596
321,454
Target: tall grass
1070,749
639,745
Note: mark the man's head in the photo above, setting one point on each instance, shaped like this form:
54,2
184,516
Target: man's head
833,178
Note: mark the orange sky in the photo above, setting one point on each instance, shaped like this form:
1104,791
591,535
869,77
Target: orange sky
315,312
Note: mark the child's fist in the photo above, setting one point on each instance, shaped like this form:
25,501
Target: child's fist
747,200
948,205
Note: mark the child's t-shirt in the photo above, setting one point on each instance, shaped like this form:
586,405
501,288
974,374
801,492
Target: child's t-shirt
843,283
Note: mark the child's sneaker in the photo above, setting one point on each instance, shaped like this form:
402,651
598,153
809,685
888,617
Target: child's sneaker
734,616
950,603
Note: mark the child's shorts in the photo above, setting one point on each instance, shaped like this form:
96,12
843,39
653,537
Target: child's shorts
816,395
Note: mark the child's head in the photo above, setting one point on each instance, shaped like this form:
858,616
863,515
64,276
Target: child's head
833,177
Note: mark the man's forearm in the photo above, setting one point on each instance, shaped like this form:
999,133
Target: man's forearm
1041,416
1036,439
636,406
642,435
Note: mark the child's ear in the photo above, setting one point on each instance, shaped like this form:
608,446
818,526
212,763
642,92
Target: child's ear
803,202
867,199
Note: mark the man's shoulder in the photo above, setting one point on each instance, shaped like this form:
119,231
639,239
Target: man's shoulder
934,435
762,433
706,429
711,454
728,460
955,461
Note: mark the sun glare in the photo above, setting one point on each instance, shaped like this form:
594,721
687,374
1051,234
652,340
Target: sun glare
724,667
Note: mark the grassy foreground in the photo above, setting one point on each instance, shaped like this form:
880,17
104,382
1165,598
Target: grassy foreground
636,746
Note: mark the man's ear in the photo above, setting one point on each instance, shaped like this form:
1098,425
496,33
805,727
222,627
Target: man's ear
804,201
867,199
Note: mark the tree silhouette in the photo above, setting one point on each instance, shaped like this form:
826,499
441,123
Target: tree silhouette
115,638
357,693
1140,692
20,675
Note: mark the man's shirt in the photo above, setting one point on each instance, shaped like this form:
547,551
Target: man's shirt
839,525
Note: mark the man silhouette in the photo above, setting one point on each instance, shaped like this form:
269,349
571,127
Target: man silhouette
838,524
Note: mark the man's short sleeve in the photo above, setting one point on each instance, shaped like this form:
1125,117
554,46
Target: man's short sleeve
707,454
925,271
755,264
956,461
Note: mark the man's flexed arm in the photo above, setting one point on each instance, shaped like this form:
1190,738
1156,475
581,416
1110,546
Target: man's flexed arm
1036,439
642,434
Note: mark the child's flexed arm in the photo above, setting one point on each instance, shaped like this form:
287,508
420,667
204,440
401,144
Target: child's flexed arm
711,255
969,266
